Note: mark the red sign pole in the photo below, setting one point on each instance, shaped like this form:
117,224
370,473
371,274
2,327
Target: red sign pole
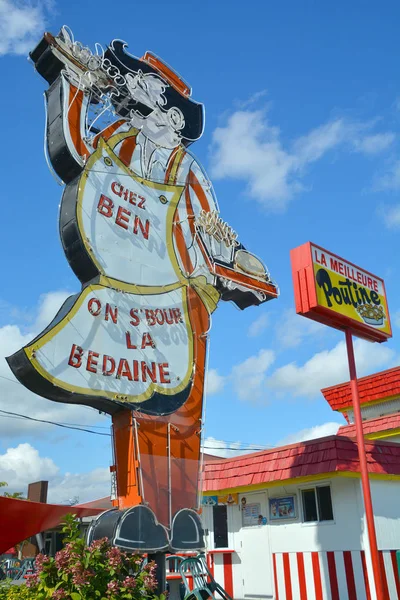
373,546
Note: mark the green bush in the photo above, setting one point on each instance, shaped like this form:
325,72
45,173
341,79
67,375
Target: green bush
80,572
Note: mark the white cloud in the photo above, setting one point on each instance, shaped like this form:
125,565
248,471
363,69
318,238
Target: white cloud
259,325
250,149
329,368
391,179
292,329
215,382
227,449
14,397
254,98
395,317
373,144
23,464
21,26
81,486
391,214
312,433
249,377
49,305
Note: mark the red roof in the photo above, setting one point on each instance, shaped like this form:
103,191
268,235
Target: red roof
372,426
325,455
100,503
373,387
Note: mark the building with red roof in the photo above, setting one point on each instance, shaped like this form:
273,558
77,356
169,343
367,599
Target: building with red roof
295,513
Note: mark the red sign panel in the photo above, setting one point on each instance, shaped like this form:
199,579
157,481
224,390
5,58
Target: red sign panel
335,292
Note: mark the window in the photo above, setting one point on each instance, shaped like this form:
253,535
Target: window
317,504
220,527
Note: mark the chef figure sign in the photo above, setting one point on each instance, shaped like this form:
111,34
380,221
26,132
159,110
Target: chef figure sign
140,228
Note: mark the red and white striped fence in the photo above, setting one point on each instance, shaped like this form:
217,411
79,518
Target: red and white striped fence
220,564
331,575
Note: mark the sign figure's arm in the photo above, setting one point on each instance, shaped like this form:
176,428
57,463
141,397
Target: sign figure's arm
67,141
73,88
238,275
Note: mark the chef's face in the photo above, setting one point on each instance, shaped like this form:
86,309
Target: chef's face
161,125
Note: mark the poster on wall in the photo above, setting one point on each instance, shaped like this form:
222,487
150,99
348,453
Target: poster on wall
251,515
228,499
282,508
209,500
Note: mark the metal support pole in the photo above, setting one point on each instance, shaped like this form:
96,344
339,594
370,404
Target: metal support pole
161,574
369,514
169,474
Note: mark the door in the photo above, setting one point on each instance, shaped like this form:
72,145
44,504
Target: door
255,551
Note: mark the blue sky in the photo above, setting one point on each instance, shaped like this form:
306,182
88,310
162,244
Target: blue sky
301,142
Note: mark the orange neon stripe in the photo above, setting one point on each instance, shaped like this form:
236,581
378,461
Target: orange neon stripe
107,132
127,149
190,213
74,119
181,244
198,190
171,76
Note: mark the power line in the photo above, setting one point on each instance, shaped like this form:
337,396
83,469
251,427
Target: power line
76,428
22,386
234,446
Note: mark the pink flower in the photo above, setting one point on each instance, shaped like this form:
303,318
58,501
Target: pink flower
59,594
150,582
129,582
40,559
32,581
98,544
62,558
114,556
112,588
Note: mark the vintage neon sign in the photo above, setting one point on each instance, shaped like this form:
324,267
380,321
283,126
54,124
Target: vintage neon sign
140,228
333,291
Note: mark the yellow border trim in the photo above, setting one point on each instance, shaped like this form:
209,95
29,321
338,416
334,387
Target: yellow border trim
371,403
31,351
299,481
176,164
379,435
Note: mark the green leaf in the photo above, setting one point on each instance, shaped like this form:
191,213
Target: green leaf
75,596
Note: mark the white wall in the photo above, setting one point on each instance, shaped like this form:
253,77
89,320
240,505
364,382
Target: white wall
343,533
255,545
386,506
